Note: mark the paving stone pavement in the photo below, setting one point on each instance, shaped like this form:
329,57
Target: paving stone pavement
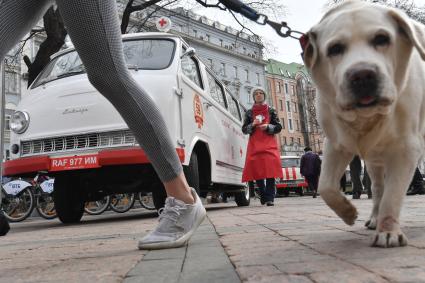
298,240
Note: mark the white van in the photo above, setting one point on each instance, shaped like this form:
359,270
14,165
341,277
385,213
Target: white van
66,128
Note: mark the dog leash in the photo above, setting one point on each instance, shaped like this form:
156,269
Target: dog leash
281,28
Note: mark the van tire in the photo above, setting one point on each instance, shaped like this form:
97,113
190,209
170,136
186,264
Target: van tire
243,198
68,198
191,172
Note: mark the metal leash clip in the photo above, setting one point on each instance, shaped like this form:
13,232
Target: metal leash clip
284,30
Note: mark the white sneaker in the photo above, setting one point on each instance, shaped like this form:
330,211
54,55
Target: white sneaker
177,222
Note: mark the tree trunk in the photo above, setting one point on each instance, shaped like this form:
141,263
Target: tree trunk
56,33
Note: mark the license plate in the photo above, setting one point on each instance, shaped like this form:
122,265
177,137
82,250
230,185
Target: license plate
74,162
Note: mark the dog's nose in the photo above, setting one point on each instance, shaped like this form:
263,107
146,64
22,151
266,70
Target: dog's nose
363,81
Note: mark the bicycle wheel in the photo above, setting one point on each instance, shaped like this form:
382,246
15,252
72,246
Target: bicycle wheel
44,205
122,202
18,207
97,207
146,200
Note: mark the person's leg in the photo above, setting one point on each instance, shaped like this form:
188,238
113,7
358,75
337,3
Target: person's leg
270,191
94,30
16,20
261,189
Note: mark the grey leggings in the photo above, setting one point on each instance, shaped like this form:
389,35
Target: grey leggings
94,29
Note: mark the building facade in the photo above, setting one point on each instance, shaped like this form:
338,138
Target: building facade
293,95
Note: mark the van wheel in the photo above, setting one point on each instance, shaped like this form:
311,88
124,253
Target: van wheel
68,198
191,172
301,191
243,198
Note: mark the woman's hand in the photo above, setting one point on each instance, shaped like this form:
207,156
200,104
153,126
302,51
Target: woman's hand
256,123
263,127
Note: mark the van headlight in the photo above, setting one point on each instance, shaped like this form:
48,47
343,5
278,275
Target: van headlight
19,122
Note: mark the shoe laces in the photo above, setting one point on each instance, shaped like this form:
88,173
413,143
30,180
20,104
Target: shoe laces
171,211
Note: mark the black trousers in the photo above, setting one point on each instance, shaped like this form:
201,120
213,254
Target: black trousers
267,190
313,182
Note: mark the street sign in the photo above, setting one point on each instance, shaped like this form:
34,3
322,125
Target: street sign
163,24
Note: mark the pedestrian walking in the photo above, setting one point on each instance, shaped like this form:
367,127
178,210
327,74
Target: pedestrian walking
367,183
355,170
262,163
416,186
94,30
343,183
310,169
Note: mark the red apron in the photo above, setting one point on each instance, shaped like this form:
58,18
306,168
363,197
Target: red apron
262,156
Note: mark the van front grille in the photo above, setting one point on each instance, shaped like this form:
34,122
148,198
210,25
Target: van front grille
78,142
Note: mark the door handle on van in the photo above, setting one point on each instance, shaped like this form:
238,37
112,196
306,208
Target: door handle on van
207,104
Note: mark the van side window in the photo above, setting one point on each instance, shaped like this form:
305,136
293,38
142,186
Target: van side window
216,90
233,107
190,69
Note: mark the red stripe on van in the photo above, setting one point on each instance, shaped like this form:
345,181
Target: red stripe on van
294,173
106,157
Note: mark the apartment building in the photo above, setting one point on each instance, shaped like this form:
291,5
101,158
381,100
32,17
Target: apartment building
293,95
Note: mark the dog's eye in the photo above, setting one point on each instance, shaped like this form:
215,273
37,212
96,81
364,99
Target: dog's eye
336,49
381,40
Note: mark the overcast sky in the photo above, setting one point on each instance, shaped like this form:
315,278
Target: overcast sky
300,15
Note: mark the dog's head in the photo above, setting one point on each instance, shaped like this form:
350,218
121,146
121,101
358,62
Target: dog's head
358,55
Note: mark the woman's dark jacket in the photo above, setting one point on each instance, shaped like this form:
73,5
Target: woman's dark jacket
274,126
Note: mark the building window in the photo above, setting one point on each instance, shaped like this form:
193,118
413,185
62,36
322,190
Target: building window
235,70
281,104
223,69
297,124
290,125
292,140
258,79
210,61
244,50
195,33
278,87
283,123
295,107
247,75
299,141
288,106
286,88
221,42
293,89
208,37
284,140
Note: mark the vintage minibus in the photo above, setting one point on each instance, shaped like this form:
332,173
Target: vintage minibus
66,129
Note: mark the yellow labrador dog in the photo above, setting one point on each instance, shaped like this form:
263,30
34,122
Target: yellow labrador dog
368,64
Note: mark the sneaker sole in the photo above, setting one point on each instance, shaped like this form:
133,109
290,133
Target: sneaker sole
180,241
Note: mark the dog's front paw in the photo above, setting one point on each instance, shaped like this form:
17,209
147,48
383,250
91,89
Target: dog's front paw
389,239
347,212
371,223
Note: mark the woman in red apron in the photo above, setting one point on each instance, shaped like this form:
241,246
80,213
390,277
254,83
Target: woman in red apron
262,161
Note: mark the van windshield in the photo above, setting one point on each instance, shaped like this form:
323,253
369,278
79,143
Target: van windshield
143,54
290,162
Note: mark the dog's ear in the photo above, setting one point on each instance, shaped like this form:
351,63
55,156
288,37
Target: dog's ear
413,30
310,52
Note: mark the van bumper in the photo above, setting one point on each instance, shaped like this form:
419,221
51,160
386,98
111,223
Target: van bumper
107,157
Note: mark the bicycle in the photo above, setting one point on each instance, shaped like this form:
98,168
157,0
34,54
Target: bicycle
122,202
43,187
97,207
146,200
18,200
